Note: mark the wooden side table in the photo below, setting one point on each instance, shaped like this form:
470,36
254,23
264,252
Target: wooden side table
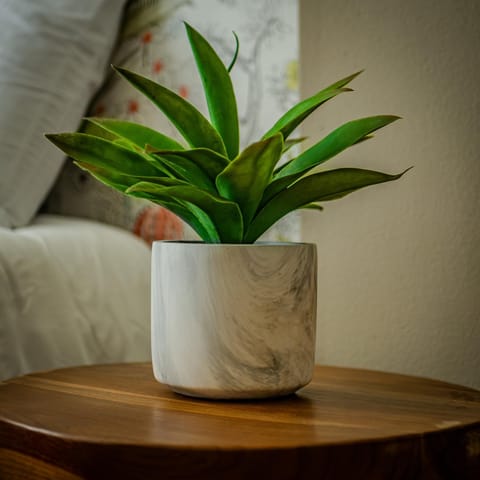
116,421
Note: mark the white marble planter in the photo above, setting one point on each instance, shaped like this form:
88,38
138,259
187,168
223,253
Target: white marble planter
233,321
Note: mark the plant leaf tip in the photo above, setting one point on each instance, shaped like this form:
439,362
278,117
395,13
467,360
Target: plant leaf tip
120,70
393,118
356,74
235,54
53,137
188,27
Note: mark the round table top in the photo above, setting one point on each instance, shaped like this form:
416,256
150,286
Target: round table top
346,420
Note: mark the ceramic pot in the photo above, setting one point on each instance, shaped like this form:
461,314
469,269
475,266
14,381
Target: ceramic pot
233,321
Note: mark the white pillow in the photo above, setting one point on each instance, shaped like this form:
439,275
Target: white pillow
53,56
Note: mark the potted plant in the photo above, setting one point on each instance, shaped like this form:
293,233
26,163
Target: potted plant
231,317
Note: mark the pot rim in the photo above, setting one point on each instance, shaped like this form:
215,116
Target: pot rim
200,243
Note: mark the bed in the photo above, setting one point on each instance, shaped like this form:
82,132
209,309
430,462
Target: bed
73,292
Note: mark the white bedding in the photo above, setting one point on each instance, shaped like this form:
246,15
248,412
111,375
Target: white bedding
72,292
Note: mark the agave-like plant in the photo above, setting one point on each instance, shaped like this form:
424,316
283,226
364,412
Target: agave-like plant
224,195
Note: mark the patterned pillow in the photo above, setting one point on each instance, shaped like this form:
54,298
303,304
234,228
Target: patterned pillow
153,42
154,223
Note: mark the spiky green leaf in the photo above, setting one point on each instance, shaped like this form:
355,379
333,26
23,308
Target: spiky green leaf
104,153
291,142
299,112
110,178
189,213
335,142
123,142
225,215
194,216
185,169
193,126
139,135
96,131
246,177
341,138
113,178
313,188
203,221
218,88
235,54
209,161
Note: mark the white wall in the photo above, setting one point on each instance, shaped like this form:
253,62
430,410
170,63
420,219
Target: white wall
399,264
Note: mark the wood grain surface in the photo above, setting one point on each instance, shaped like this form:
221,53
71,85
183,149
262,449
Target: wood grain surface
116,421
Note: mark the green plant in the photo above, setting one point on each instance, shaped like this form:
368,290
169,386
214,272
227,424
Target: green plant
224,195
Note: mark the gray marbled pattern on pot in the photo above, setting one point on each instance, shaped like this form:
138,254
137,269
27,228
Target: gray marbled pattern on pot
233,321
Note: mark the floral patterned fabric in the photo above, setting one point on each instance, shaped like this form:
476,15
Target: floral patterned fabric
153,42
